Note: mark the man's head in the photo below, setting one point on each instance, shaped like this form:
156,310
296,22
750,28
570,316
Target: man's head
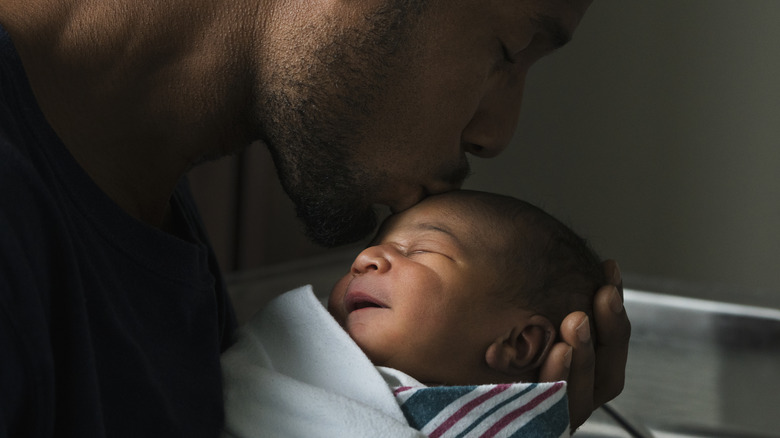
378,102
452,290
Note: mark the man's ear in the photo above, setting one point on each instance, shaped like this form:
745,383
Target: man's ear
523,348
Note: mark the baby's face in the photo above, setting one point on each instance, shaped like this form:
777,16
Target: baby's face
422,299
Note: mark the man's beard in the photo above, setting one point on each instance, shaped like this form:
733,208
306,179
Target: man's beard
315,114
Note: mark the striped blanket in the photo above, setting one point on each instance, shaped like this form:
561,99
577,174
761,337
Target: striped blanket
486,411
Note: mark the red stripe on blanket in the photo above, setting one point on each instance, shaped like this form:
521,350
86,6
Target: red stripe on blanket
401,389
465,409
508,418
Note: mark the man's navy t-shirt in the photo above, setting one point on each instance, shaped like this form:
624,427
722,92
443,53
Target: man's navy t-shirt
108,327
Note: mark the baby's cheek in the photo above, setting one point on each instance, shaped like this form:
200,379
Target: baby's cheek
336,304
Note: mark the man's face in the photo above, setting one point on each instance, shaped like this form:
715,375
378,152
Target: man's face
425,297
379,102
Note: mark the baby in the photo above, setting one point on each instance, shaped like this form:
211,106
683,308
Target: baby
456,300
466,288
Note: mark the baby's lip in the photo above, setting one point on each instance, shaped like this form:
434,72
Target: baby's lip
359,300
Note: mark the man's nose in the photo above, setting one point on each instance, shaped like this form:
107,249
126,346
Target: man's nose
372,259
493,124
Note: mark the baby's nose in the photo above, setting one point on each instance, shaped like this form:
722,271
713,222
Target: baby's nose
373,258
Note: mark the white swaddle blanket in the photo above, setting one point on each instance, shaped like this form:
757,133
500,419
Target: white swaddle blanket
294,372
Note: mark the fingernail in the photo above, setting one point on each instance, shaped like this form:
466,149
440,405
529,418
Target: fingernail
583,330
616,276
615,302
567,359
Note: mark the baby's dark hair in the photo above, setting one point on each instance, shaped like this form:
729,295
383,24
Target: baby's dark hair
549,268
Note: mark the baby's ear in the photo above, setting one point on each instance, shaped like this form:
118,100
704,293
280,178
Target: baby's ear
523,348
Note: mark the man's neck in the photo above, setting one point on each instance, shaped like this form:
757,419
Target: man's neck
138,95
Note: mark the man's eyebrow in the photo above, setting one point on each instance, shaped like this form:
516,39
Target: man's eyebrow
559,35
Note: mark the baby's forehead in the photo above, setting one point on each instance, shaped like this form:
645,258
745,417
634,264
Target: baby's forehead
469,221
450,213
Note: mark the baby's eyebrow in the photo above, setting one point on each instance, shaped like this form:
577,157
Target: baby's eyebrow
441,228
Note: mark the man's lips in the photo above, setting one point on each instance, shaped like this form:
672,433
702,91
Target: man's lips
359,300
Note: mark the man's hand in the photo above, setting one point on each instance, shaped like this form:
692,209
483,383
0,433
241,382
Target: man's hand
595,373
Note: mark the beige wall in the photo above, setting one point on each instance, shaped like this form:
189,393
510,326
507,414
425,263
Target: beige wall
655,134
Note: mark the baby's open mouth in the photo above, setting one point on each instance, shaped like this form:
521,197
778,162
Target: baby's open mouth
358,301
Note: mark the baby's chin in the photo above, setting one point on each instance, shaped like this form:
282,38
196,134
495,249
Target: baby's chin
376,359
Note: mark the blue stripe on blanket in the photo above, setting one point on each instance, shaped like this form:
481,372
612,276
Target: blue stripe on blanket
552,423
423,406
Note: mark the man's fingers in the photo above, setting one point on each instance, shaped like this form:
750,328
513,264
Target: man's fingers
556,366
613,333
575,331
597,371
613,276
